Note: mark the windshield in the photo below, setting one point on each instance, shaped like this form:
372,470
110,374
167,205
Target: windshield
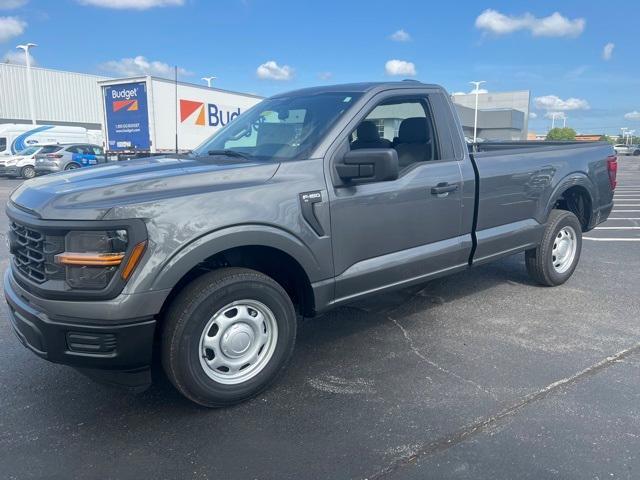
50,149
29,151
282,128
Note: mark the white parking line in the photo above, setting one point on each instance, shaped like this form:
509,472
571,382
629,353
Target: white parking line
623,218
617,228
627,204
625,211
612,239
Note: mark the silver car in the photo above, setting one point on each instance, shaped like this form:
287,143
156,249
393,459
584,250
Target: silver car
624,149
57,158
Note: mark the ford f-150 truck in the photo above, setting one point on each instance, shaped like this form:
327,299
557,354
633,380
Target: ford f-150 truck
312,199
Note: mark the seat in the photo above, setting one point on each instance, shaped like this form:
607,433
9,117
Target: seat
414,141
369,137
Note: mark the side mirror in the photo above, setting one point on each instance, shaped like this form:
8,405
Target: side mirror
369,165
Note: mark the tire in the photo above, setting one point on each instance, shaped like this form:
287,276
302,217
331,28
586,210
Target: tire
28,172
72,166
217,309
555,259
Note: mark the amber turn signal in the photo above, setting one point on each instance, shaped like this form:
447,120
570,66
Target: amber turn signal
90,259
134,259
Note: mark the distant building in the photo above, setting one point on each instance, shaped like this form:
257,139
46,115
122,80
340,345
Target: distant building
588,137
501,116
61,98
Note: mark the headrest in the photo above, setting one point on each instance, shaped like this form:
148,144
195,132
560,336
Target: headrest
368,132
413,130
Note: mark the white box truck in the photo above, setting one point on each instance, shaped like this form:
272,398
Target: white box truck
149,115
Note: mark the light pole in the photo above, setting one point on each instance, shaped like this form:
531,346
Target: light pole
32,108
209,80
475,116
624,134
553,119
564,121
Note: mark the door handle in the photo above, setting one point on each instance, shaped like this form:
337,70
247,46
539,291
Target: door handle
444,187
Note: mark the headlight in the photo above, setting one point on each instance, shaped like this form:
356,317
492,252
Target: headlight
93,257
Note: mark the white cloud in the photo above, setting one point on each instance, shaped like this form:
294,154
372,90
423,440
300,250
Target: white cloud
533,115
552,102
635,115
459,93
11,4
132,4
607,51
555,25
400,36
17,57
325,75
11,27
272,71
479,91
400,67
131,67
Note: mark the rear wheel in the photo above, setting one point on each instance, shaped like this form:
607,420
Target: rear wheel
72,166
227,336
555,259
28,172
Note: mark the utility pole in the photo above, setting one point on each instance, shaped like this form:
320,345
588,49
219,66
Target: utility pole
32,108
475,117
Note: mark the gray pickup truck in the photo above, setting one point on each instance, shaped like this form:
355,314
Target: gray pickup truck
310,200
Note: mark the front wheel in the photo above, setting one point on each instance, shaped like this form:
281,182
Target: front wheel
28,172
227,336
555,259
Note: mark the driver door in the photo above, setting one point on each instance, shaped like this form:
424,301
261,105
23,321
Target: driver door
390,233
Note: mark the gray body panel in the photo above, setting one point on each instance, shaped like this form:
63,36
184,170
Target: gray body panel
377,236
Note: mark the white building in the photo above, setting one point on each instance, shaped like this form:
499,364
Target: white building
61,98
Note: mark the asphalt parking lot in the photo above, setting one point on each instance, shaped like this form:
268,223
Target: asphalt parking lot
481,375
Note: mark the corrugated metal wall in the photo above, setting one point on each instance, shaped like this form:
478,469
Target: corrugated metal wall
59,96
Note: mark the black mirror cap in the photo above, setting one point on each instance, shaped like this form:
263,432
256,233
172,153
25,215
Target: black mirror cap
369,165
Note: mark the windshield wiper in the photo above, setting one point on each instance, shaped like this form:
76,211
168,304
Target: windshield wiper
230,153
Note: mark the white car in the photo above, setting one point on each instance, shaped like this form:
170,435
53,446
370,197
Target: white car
624,149
23,163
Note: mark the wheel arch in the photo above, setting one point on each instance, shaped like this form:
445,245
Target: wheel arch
269,250
577,194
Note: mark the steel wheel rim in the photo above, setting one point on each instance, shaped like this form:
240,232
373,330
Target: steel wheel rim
565,246
238,341
28,173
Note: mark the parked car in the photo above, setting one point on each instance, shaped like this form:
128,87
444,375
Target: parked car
21,164
57,158
624,149
16,137
310,200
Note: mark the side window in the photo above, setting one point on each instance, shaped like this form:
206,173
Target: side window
95,150
404,124
74,149
3,143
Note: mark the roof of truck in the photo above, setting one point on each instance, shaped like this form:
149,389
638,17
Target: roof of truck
358,87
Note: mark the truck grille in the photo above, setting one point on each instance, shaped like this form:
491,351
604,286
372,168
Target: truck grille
34,251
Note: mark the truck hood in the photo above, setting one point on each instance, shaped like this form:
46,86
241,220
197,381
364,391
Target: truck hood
89,193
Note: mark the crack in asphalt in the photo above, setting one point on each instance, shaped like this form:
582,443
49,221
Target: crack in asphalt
465,433
416,351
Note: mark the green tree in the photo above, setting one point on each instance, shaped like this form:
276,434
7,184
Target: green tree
561,134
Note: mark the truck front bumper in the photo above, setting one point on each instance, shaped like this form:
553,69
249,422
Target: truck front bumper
116,353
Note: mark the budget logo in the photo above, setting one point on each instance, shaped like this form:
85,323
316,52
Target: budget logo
128,105
188,108
195,112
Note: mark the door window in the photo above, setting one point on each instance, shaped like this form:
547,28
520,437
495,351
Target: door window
404,124
3,143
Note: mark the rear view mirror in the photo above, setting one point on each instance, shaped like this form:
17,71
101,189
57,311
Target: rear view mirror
369,165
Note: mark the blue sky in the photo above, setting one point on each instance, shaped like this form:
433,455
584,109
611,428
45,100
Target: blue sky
511,45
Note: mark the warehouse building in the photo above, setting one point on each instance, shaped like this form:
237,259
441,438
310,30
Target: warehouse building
501,116
60,98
